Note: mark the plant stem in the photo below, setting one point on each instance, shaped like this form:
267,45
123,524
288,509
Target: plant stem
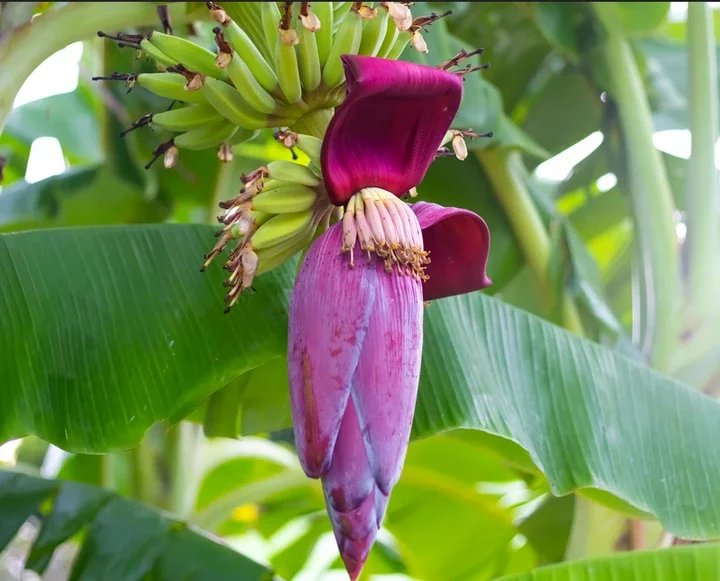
144,474
701,193
111,471
185,441
503,167
217,512
22,51
594,531
652,201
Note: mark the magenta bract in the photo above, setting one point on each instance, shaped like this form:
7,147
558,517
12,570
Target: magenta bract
388,129
459,244
355,342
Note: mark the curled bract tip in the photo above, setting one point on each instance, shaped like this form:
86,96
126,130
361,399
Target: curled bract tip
458,242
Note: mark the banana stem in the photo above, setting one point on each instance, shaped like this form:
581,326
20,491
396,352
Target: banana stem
314,123
503,168
144,475
594,530
24,49
653,205
184,442
702,181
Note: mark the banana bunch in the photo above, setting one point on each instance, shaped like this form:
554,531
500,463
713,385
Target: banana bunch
274,216
227,96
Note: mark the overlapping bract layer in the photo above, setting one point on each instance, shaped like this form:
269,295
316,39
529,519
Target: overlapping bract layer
355,341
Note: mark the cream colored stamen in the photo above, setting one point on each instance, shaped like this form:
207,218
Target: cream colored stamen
385,226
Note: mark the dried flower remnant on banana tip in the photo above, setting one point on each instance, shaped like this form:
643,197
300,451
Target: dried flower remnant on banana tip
273,217
356,311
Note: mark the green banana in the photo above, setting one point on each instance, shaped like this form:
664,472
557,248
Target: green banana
347,41
170,86
241,76
281,228
308,59
340,11
310,146
270,17
271,184
287,171
230,104
207,136
324,35
251,56
391,35
373,34
156,54
241,137
270,258
186,118
399,46
193,56
259,218
285,200
286,66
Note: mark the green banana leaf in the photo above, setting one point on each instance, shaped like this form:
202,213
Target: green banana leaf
696,563
125,540
108,330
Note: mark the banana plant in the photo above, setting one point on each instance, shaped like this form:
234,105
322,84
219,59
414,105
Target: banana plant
428,360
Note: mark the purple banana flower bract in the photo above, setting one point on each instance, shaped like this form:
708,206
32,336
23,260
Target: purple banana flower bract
356,311
389,128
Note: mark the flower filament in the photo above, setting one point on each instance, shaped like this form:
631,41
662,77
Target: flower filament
385,226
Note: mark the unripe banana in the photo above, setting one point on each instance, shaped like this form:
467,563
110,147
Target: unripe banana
241,76
286,66
270,17
285,200
226,100
207,136
347,41
324,35
391,35
251,56
271,184
187,118
156,54
259,218
308,59
399,46
340,11
310,146
193,56
241,137
373,34
274,256
287,171
170,86
280,228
